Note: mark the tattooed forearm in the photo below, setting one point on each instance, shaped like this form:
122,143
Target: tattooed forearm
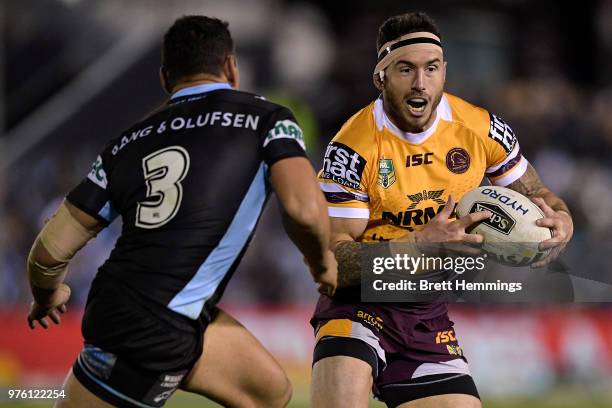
349,263
530,185
355,257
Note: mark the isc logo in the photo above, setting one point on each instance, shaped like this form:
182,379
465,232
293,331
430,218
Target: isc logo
418,159
445,336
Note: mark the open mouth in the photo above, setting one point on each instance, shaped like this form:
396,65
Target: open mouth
416,105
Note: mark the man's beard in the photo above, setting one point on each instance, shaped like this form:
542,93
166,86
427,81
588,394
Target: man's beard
406,123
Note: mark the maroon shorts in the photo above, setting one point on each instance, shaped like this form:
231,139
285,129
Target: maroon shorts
409,341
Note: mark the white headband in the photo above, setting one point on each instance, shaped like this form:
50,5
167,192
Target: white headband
390,50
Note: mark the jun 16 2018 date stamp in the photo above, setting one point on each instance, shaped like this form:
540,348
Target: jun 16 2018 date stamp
36,393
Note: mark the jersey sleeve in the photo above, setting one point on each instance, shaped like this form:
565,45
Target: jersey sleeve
505,161
343,179
283,138
92,194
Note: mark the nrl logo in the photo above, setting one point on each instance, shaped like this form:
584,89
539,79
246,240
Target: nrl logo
424,196
386,173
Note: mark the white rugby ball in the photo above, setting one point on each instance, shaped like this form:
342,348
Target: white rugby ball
510,234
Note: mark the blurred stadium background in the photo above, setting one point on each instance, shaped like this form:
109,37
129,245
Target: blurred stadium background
74,73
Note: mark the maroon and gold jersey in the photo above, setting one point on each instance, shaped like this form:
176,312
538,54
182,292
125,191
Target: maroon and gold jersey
399,181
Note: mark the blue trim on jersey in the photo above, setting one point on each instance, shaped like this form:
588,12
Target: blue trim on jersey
109,389
198,89
108,212
190,300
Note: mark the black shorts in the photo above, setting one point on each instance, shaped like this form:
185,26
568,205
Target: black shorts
136,352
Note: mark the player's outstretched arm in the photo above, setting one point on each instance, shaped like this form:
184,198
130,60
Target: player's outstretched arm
305,215
556,214
68,230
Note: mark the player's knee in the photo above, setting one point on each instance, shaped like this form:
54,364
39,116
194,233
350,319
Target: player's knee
277,393
281,395
285,392
474,403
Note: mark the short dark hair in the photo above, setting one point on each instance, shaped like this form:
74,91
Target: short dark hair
402,24
195,44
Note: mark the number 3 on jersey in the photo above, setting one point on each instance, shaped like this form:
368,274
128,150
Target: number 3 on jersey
163,172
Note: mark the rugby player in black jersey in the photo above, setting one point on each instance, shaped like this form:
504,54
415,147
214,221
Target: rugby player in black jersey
190,182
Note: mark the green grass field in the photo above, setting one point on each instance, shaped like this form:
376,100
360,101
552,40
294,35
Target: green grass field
559,399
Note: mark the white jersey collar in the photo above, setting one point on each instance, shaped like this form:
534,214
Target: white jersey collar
443,111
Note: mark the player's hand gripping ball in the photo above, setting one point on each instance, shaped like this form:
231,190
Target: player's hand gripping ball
511,235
